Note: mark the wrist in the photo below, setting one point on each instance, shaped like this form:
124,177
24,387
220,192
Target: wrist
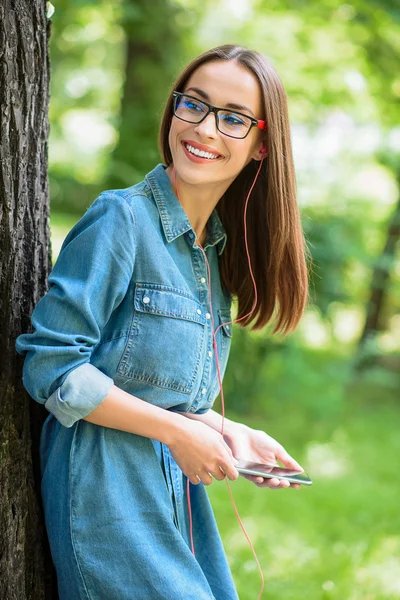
232,429
174,429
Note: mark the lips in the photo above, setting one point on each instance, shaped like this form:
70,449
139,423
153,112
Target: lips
202,147
200,160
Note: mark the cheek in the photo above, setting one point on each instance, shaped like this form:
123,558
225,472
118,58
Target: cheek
170,140
175,130
239,152
171,136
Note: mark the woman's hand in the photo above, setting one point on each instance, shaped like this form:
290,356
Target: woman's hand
202,453
256,445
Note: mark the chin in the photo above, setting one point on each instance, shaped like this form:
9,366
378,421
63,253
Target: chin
192,172
195,176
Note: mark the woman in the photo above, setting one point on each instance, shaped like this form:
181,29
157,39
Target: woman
122,352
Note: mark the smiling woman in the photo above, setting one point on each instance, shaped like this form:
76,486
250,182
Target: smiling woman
132,339
251,114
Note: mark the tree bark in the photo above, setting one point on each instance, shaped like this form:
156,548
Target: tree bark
26,570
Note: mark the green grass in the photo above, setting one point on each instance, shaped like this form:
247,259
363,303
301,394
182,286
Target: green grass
337,539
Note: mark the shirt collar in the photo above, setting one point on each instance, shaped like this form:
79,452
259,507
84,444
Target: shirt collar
174,220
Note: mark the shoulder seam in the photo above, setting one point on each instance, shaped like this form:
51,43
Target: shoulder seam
124,199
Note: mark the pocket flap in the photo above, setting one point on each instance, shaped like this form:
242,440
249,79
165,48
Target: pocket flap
169,302
225,319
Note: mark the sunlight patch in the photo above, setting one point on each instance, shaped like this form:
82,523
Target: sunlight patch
255,529
291,553
288,552
381,574
329,460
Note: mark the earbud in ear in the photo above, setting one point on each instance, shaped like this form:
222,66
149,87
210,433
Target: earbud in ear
264,152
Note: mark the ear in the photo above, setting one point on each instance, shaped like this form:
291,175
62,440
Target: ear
261,152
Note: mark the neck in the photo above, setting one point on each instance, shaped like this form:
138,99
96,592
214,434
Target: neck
198,201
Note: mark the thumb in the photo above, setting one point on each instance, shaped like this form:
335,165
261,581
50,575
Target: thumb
287,460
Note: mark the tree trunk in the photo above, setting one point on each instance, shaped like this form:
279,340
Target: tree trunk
26,571
379,287
154,55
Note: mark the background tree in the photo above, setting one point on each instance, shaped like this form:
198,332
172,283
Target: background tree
153,49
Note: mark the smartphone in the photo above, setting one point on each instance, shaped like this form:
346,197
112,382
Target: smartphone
270,471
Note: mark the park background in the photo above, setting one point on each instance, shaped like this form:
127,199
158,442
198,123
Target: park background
330,391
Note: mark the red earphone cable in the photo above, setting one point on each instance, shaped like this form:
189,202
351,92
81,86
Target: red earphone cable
219,372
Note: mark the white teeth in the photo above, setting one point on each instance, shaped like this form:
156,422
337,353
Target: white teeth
200,152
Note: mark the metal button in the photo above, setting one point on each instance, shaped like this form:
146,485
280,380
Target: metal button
198,311
203,280
203,391
210,353
192,409
208,316
146,299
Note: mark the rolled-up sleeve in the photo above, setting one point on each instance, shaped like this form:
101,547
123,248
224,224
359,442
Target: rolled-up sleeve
88,282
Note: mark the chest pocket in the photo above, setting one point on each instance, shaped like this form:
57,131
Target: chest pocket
164,346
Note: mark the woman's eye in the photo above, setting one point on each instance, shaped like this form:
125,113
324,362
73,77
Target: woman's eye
233,120
190,105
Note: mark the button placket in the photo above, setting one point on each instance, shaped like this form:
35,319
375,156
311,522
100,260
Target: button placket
199,269
205,382
200,273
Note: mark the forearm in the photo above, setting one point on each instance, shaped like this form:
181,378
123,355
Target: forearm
214,420
123,411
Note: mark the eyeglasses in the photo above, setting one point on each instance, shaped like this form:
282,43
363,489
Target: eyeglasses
233,124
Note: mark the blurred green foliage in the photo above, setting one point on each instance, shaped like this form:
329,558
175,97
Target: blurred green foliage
338,538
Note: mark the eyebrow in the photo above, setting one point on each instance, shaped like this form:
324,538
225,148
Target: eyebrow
229,105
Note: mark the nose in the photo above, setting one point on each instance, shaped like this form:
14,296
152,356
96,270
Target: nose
208,127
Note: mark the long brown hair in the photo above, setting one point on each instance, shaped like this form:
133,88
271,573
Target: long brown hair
277,248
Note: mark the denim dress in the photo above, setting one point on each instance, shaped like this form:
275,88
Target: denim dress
128,304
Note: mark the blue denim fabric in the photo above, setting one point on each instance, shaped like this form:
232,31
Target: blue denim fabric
128,304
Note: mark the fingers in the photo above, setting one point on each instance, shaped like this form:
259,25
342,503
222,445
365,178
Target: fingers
230,471
286,459
207,476
228,450
219,473
223,467
275,483
195,479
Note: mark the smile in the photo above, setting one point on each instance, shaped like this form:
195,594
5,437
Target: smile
200,153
